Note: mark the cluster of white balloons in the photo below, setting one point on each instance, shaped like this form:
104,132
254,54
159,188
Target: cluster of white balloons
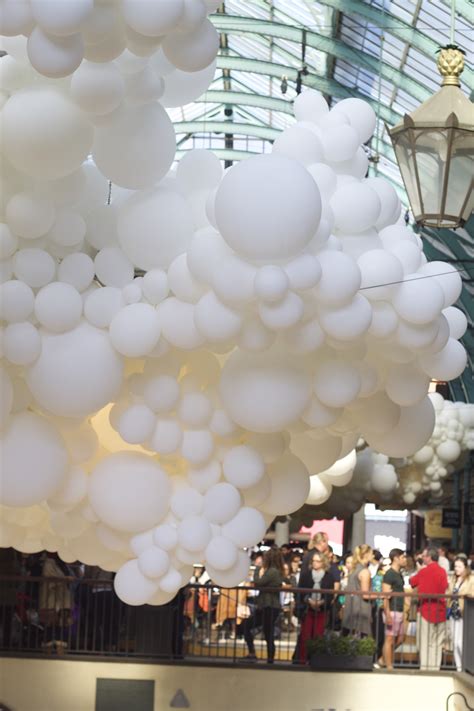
185,347
367,475
452,437
61,34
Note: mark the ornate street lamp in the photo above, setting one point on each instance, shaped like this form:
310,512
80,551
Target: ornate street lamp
434,147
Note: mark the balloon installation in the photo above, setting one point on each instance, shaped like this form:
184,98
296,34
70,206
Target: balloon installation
184,346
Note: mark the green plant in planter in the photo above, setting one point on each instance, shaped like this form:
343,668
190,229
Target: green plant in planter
334,645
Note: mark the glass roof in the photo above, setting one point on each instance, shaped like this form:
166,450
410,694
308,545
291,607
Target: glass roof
380,50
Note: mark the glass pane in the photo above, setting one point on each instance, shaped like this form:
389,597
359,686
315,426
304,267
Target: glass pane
431,152
404,154
461,174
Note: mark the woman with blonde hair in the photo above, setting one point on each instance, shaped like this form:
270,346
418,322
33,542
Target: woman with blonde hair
461,583
357,616
316,604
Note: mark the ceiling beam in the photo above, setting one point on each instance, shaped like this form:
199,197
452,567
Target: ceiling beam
233,24
325,85
400,29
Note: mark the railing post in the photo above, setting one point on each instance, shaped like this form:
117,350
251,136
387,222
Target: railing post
468,636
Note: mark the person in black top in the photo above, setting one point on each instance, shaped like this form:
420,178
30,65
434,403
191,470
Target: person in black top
313,608
393,606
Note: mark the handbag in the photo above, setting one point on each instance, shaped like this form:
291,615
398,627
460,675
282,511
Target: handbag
243,612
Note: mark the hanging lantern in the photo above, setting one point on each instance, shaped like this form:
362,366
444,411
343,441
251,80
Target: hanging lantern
434,147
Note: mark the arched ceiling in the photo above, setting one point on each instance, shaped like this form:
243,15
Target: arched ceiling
380,50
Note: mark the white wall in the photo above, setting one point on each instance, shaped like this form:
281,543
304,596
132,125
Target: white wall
57,685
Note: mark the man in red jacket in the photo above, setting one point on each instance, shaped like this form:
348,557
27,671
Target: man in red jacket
431,618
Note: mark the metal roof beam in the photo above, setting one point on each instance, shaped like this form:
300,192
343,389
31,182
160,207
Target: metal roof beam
404,31
247,25
324,84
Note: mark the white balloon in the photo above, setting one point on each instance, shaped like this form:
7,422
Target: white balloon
233,576
165,537
17,17
360,115
356,207
178,325
21,343
194,533
72,491
34,266
264,392
336,383
246,528
243,466
61,18
136,148
153,562
300,143
113,268
152,19
101,305
197,446
192,51
167,436
406,385
16,301
184,87
129,491
135,330
347,322
447,364
78,270
320,490
45,457
97,88
132,586
29,215
221,503
203,478
255,204
155,286
410,434
340,278
448,278
154,227
136,424
214,320
54,57
58,307
77,373
340,143
290,484
418,300
185,502
45,135
457,322
221,553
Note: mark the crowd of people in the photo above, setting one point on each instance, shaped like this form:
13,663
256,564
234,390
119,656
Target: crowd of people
361,594
302,594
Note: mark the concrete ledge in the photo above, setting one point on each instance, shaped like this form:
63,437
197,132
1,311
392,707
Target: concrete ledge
39,685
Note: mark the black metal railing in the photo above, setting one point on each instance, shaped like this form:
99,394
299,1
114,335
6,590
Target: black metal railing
207,623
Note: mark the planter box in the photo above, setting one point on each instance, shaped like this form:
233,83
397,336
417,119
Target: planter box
335,662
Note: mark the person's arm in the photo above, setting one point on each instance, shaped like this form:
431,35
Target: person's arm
364,579
387,588
267,578
414,580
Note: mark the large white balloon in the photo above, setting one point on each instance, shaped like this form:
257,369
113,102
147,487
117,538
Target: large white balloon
256,203
154,227
34,461
129,491
45,135
136,148
77,373
264,392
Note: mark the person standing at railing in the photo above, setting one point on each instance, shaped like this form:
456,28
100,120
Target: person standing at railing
270,575
462,583
431,618
357,614
316,605
55,602
393,606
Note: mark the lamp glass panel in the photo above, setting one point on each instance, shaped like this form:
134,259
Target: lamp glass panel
431,148
404,153
461,175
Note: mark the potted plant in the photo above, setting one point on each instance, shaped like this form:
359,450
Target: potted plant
336,653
